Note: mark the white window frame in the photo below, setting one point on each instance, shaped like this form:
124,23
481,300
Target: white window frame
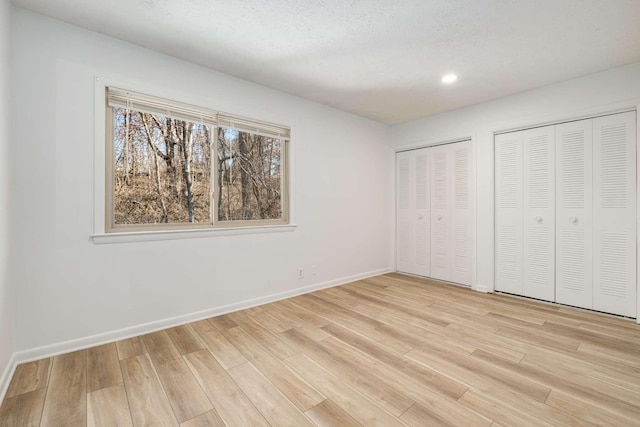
104,232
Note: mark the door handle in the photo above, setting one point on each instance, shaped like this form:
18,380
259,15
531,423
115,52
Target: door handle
573,219
439,217
539,219
420,216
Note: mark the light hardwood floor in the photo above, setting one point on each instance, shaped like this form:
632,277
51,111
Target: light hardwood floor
390,350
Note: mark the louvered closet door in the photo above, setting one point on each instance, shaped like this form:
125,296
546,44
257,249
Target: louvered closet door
574,213
614,215
422,263
404,213
461,226
412,210
441,191
539,213
509,212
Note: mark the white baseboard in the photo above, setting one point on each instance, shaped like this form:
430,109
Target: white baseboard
108,337
482,288
5,379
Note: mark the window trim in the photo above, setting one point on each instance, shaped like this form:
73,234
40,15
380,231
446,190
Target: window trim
105,231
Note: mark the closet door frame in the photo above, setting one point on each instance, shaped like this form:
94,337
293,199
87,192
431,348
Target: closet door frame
471,140
637,212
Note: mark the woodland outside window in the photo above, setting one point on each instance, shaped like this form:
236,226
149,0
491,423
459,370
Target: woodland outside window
172,166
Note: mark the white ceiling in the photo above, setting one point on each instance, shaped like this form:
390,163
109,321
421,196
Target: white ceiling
381,59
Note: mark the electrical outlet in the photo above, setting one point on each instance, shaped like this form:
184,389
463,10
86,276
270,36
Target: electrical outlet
300,273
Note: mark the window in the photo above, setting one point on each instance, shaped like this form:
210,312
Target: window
171,166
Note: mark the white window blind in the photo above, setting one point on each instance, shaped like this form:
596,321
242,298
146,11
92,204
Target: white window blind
149,104
243,124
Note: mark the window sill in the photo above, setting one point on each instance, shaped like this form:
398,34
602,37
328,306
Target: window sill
149,236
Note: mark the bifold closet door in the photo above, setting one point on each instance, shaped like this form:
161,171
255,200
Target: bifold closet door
539,213
451,222
566,213
412,210
525,213
574,213
509,212
461,213
441,245
614,214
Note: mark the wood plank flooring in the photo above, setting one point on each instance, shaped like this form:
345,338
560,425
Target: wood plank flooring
392,350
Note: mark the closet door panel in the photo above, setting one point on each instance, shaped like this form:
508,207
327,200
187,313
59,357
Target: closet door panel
509,212
404,213
412,211
574,213
461,204
441,238
614,248
539,213
422,224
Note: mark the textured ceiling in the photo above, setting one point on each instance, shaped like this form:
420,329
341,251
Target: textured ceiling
381,59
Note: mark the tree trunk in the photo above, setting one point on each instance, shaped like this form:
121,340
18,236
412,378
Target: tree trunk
187,144
244,175
220,176
127,137
148,164
156,153
170,141
258,196
165,216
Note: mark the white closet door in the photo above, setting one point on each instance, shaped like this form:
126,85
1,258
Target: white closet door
539,213
574,213
412,210
462,221
614,215
422,224
404,213
509,212
441,190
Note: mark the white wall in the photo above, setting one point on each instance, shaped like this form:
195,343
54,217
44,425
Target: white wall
602,92
6,296
70,289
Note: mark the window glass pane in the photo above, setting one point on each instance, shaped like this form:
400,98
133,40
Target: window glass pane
249,176
161,169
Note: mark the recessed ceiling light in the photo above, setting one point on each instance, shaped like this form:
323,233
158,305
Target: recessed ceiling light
449,78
